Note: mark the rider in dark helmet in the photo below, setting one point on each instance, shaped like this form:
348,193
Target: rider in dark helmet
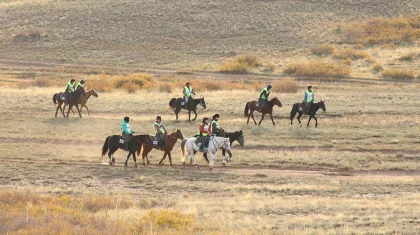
187,92
204,134
215,128
127,133
160,132
263,100
81,84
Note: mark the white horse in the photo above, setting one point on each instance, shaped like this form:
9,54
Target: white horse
215,143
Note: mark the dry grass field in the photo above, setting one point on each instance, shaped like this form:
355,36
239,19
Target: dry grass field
357,173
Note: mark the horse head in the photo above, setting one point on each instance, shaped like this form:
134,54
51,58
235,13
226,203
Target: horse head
276,101
94,93
241,139
322,106
179,134
203,102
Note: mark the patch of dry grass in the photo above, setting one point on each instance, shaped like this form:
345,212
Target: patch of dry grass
318,69
398,74
349,53
323,50
408,56
240,64
378,67
30,33
287,85
382,31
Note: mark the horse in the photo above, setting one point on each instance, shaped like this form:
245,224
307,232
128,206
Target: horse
73,101
112,143
312,111
171,139
215,143
233,136
252,106
176,105
83,99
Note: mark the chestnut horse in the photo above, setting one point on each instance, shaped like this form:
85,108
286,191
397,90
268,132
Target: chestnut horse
171,139
84,99
250,107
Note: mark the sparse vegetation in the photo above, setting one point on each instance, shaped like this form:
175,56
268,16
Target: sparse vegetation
323,50
240,64
382,31
318,69
30,33
398,74
408,57
287,85
378,67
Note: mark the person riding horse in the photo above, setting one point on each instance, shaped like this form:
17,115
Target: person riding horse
308,100
187,92
204,134
215,128
263,100
127,133
81,84
69,89
160,132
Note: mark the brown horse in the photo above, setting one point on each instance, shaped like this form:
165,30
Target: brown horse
83,99
73,101
170,142
250,107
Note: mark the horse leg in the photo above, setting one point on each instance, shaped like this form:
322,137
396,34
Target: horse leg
70,105
298,118
86,109
164,156
111,156
205,157
252,115
271,115
62,109
170,159
211,165
56,111
177,112
262,118
310,117
189,115
128,157
78,110
143,157
195,115
223,156
316,122
135,159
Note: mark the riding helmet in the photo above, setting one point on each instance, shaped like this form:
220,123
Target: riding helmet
216,116
187,84
204,119
309,86
158,118
127,119
269,86
83,81
72,79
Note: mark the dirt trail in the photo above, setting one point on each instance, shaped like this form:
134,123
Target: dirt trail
84,68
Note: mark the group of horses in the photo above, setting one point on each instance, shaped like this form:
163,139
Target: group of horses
78,97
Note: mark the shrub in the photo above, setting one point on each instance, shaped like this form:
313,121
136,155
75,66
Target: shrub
319,69
102,86
349,53
287,85
388,46
162,219
323,50
381,31
398,74
269,67
131,87
377,67
240,64
408,57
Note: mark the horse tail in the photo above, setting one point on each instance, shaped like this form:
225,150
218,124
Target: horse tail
294,111
172,102
184,141
139,149
246,109
105,147
54,99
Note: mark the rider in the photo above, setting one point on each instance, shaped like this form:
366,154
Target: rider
160,131
187,92
308,99
262,101
70,88
81,84
127,133
204,134
215,128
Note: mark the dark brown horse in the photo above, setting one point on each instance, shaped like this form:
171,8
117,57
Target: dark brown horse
71,102
113,143
250,107
171,139
176,105
312,111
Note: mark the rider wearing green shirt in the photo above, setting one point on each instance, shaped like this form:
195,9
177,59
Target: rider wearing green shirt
70,88
215,128
160,132
308,99
187,92
263,100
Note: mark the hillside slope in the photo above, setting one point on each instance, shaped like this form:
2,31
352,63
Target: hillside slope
176,34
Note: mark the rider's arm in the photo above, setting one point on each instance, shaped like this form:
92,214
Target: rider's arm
157,129
305,97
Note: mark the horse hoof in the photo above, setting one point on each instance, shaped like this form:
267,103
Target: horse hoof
197,166
210,168
125,165
135,166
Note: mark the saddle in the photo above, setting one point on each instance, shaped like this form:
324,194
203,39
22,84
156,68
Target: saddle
160,142
63,96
